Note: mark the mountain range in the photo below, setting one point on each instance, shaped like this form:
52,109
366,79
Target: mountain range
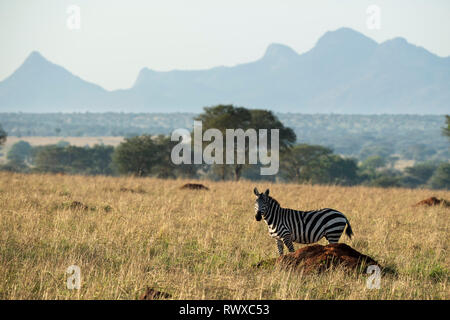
345,72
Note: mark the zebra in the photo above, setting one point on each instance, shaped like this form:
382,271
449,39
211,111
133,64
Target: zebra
288,225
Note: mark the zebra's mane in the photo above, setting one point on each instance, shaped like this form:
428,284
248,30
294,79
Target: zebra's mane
272,200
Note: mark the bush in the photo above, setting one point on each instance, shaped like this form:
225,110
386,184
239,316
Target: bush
385,181
72,159
441,177
144,155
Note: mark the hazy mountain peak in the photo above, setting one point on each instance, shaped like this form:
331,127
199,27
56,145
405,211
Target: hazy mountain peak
344,36
35,63
397,42
277,50
143,71
142,75
35,57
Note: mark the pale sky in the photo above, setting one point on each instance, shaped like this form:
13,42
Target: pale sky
118,38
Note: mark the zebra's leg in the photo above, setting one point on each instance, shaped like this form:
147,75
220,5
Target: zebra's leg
288,242
280,247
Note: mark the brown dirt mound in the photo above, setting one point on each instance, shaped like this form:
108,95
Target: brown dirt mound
433,201
152,294
319,258
194,186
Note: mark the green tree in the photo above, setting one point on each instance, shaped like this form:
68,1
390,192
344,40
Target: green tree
50,159
163,166
342,171
14,166
441,177
20,152
265,119
382,150
418,152
385,180
318,164
144,156
3,136
302,163
73,159
224,117
100,160
371,164
419,174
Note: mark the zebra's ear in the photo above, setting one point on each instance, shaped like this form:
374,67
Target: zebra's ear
256,192
267,192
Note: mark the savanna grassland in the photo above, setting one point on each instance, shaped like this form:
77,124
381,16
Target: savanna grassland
130,233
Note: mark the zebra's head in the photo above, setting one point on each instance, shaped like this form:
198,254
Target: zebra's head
261,203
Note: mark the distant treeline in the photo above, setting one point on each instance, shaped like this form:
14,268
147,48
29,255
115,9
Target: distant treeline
146,155
411,137
150,156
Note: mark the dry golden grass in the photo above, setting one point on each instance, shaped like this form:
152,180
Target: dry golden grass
202,244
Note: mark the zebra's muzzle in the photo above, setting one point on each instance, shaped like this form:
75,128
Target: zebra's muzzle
258,216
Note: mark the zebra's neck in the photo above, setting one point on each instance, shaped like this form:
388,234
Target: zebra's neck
274,209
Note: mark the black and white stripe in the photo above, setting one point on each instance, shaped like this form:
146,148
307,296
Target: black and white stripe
288,225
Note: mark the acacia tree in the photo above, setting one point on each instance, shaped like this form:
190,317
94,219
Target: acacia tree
224,117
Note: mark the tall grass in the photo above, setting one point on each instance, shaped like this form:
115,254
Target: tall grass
139,232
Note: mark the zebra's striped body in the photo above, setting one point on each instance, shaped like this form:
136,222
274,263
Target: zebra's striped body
288,225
